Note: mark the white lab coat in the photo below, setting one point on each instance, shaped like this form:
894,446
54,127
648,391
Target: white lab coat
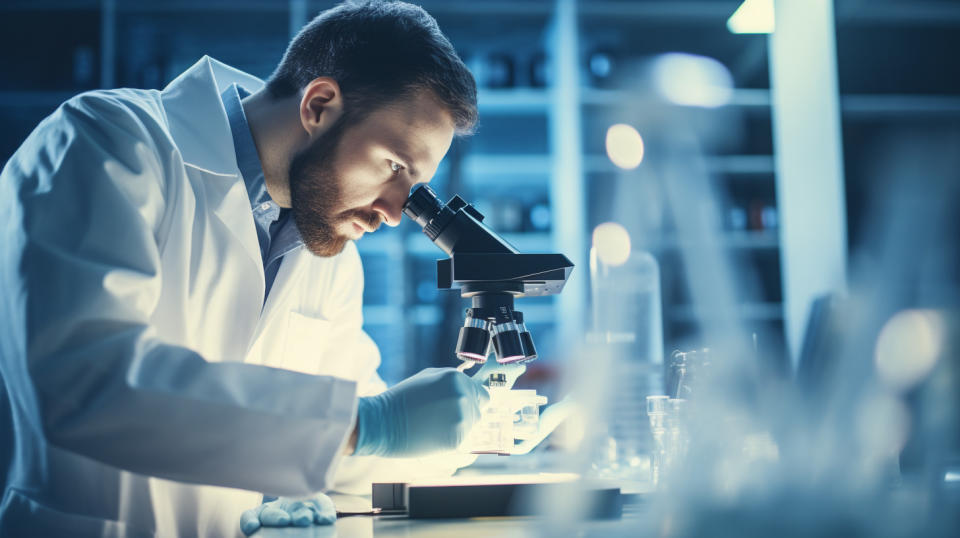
131,334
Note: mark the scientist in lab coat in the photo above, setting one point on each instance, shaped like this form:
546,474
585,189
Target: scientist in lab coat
180,316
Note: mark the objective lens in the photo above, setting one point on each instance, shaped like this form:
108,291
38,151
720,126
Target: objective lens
474,340
529,350
506,342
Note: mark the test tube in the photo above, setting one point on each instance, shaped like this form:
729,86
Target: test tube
526,419
657,413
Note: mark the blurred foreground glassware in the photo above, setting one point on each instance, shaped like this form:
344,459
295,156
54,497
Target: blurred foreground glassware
683,368
668,428
509,415
628,331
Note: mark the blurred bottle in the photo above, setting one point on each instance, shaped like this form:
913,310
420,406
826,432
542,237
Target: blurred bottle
683,369
493,69
626,303
601,66
539,74
84,67
539,217
627,319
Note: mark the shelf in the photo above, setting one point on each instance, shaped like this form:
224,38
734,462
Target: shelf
746,311
765,239
428,314
488,168
661,11
716,164
397,315
186,6
488,7
743,97
513,101
493,166
50,5
539,314
534,100
382,314
896,105
914,12
425,314
741,164
35,98
382,242
528,243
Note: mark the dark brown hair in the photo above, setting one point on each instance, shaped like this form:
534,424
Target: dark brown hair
378,52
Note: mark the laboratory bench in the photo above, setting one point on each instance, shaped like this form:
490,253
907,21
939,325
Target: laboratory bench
393,525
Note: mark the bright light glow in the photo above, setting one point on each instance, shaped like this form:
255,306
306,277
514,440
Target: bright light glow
624,146
612,243
883,424
691,80
753,17
908,347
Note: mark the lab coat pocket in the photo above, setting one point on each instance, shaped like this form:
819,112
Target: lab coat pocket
306,343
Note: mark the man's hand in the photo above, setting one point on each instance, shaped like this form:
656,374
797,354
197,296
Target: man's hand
427,413
283,512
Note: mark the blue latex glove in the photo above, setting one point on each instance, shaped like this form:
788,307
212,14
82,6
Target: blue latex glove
429,412
284,512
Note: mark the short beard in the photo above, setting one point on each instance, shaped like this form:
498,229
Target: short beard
316,194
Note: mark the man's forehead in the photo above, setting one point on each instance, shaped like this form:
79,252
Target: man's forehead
418,128
420,109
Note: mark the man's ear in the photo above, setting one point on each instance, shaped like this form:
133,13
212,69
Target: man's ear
321,105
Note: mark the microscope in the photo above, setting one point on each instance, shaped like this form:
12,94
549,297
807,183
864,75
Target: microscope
488,270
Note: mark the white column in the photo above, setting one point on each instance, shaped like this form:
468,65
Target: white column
298,16
809,159
108,45
567,193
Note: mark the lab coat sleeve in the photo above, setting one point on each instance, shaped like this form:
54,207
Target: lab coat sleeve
92,182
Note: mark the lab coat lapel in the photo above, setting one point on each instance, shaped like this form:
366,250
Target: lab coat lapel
198,124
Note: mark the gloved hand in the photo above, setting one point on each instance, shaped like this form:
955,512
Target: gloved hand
431,411
283,512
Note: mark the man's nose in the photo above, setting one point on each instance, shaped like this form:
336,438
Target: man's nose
390,205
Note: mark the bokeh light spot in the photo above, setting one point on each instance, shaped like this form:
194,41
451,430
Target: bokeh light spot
908,347
692,80
883,425
612,243
624,146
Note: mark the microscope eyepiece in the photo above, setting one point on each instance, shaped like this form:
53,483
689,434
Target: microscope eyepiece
423,205
455,226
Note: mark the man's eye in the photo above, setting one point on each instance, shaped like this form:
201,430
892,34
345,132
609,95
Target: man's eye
396,167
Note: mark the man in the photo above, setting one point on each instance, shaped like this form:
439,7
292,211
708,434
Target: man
181,306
